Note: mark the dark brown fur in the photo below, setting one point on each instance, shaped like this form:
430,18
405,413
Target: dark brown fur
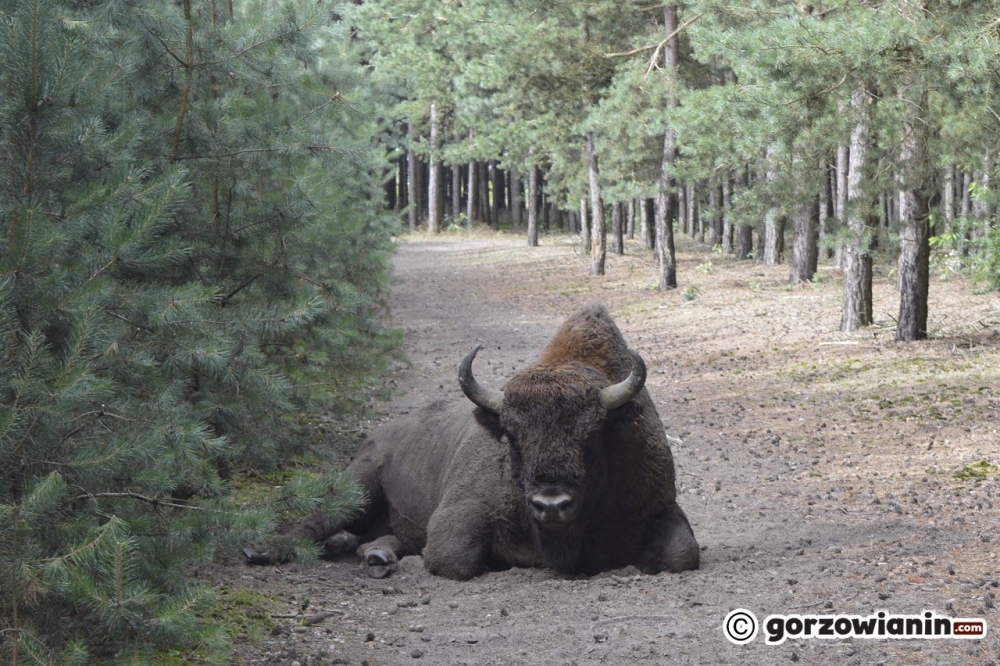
450,480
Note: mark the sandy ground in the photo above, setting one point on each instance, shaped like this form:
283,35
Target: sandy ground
822,472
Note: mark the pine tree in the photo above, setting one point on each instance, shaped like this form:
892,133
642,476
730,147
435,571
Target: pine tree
189,245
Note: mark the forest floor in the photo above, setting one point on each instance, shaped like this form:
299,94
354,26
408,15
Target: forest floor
822,472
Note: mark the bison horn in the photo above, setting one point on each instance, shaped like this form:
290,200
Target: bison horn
618,395
489,399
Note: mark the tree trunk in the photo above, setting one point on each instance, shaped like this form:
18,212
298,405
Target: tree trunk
411,169
825,195
857,310
472,195
533,207
435,189
914,216
666,201
804,254
647,215
617,228
770,250
484,193
948,199
598,230
843,166
585,226
715,203
630,229
402,198
727,222
515,199
456,193
497,194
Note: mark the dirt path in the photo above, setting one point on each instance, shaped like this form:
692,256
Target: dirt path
822,472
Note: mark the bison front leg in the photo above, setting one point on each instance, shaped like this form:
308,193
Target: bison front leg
457,541
671,545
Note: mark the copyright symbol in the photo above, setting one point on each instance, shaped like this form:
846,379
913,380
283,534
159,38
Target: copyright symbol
740,626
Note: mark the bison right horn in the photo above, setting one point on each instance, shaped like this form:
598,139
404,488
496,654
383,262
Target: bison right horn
618,395
489,399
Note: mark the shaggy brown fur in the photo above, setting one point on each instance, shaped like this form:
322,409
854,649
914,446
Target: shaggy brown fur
454,482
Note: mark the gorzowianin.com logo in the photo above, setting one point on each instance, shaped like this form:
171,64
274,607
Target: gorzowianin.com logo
740,626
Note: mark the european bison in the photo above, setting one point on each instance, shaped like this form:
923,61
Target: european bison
568,467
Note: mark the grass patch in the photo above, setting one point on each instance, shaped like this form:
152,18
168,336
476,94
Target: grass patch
978,470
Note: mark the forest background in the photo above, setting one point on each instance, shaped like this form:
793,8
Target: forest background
199,199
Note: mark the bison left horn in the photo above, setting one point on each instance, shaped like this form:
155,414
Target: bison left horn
489,399
618,395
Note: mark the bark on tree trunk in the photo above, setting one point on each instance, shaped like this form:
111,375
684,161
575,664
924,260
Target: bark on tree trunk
497,194
515,199
456,193
585,226
598,230
647,214
914,215
533,207
715,203
484,193
401,196
630,229
472,195
435,189
727,223
857,310
804,246
666,201
770,252
948,198
843,166
411,169
617,228
824,205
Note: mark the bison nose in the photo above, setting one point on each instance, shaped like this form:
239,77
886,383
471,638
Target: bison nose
553,505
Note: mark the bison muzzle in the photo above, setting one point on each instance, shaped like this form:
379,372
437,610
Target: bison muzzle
567,467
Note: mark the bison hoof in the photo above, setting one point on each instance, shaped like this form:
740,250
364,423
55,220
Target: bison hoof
340,543
379,563
253,557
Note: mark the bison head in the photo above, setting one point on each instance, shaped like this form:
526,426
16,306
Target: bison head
555,420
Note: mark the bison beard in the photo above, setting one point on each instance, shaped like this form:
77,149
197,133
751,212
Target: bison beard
567,467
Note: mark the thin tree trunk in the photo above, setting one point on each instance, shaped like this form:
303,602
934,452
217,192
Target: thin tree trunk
948,199
914,214
411,169
630,230
585,226
533,207
647,213
435,189
804,255
857,309
617,228
715,203
824,204
598,229
770,251
456,193
402,196
497,194
484,193
727,222
666,202
843,166
515,198
472,195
